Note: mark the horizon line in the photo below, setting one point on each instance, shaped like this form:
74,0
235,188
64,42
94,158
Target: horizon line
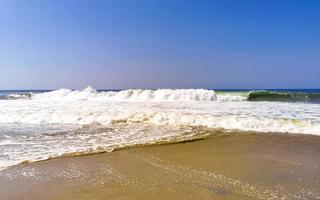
110,89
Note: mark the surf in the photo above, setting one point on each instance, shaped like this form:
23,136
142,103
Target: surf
284,96
66,122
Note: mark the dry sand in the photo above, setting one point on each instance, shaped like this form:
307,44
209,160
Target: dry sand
223,166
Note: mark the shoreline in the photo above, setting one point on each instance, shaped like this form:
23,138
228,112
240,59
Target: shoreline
222,166
204,134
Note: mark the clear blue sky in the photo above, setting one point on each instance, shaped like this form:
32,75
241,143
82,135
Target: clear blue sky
159,44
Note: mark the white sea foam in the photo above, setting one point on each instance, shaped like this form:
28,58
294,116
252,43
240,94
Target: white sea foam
133,95
231,97
133,117
242,115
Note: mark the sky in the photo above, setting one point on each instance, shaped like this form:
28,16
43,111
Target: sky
226,44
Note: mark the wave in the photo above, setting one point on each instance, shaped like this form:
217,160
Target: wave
137,117
93,140
225,97
165,95
179,107
264,95
16,96
260,117
19,96
132,95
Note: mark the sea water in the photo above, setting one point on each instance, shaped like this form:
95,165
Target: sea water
37,125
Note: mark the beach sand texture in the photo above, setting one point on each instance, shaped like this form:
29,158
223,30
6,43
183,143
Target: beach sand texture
223,166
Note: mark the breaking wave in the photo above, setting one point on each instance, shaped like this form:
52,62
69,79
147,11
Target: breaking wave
165,95
132,95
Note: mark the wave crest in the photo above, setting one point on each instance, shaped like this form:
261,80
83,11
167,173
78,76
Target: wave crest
264,95
138,95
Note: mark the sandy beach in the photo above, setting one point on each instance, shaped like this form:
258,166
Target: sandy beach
157,100
223,166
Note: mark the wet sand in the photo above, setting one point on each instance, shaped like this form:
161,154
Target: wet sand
223,166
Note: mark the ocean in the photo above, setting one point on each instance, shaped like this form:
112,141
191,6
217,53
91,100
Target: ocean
38,125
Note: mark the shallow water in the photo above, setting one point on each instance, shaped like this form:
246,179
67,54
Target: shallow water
236,165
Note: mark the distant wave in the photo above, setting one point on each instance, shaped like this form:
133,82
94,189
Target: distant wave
132,95
19,96
164,95
283,96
